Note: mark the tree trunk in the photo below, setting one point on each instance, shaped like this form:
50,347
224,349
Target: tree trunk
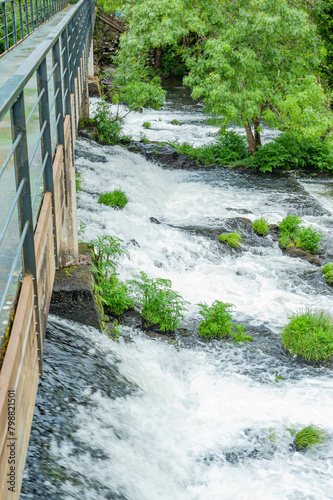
250,139
158,55
257,137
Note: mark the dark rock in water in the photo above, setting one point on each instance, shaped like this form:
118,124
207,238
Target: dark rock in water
74,296
166,155
154,221
274,231
239,210
131,318
134,243
88,133
81,153
302,254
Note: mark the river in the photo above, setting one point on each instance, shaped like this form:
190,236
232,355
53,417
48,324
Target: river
142,419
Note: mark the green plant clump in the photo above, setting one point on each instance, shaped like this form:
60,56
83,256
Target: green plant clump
174,122
146,125
115,295
327,267
309,437
217,323
309,334
78,182
108,250
292,234
160,304
108,126
260,226
234,240
329,277
116,198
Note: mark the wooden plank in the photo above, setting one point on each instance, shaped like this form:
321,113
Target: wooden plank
21,359
72,121
76,100
59,191
45,262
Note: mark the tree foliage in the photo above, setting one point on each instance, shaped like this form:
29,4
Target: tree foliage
246,59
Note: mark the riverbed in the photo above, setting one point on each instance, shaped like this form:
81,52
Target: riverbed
144,419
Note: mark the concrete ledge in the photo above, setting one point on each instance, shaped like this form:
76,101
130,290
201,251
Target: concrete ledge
74,296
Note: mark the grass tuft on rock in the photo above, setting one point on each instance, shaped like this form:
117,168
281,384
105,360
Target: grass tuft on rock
217,323
329,277
261,226
292,234
114,199
309,437
327,267
234,240
309,334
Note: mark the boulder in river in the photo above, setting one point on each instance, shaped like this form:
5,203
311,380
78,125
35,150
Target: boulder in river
299,253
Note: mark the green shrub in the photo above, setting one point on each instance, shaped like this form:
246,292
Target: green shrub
115,295
309,437
116,198
240,335
78,182
329,277
260,226
108,126
146,125
226,149
308,239
160,304
174,122
217,320
292,234
327,267
108,250
288,152
143,138
232,239
309,334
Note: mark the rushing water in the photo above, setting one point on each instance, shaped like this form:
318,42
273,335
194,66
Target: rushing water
141,419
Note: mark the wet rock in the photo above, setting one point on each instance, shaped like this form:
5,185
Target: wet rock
166,155
274,231
302,254
154,221
239,210
134,243
81,153
74,296
88,133
131,318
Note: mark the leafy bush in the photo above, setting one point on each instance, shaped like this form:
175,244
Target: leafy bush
309,437
115,295
146,125
308,239
116,198
327,267
217,320
309,334
240,335
232,239
329,277
226,149
108,126
292,234
217,323
78,182
108,250
160,304
260,226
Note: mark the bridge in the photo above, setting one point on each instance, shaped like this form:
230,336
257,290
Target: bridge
46,57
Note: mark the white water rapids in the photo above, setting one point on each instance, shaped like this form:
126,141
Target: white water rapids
198,426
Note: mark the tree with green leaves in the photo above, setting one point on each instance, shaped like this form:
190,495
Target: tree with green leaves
247,59
324,20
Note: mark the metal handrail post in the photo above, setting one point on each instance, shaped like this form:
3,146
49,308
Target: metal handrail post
5,29
21,163
21,19
36,13
27,16
32,15
44,117
13,22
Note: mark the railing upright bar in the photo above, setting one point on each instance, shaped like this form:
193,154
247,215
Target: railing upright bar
32,15
27,16
21,163
44,117
66,73
21,19
13,22
36,14
5,29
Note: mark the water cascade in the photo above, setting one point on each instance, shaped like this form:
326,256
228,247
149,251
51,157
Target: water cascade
144,419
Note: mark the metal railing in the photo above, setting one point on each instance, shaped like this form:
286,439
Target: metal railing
34,110
19,18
